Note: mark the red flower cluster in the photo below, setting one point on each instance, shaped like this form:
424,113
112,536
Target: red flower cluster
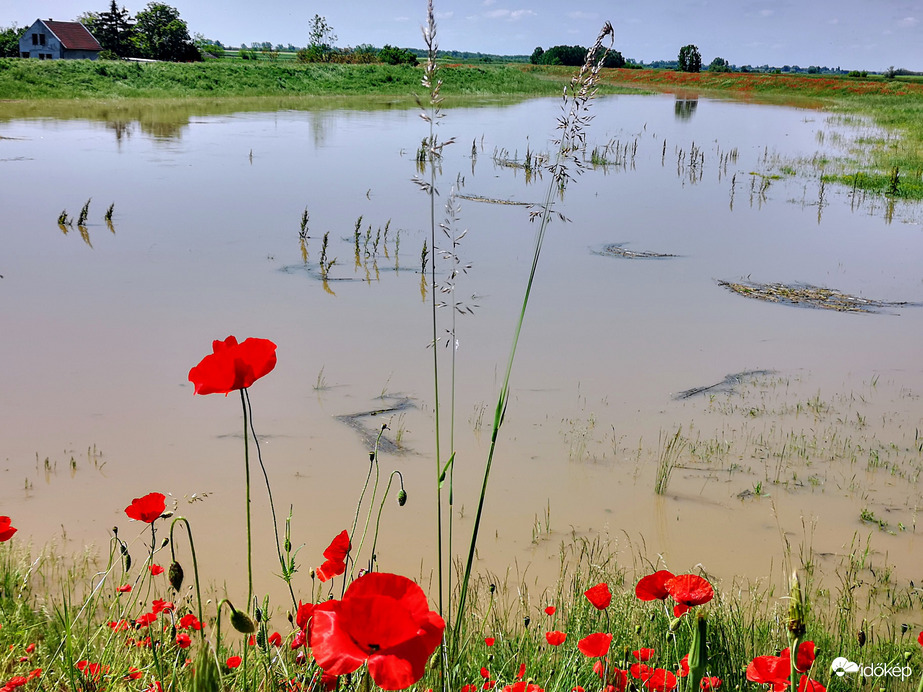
148,508
384,620
775,670
686,589
336,553
233,366
6,529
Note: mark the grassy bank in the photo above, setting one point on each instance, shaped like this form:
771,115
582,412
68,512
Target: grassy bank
108,624
81,79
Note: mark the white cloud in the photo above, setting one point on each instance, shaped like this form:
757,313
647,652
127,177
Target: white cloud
908,22
488,3
402,19
767,13
510,15
445,15
582,15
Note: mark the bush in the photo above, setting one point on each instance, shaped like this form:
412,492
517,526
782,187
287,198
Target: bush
396,56
108,55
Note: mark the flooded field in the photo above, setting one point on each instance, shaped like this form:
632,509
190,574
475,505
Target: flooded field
775,433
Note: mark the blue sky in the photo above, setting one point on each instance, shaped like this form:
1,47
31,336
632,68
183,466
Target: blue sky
852,34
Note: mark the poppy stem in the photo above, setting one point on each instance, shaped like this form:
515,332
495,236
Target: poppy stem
243,404
286,574
195,565
380,508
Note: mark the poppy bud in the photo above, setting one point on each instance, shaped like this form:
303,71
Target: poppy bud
242,622
402,497
860,637
259,615
674,624
291,620
165,542
526,620
493,587
288,545
175,575
115,531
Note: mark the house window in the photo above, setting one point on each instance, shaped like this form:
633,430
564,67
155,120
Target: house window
41,39
34,39
25,54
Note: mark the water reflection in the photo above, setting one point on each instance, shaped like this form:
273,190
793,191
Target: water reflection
684,107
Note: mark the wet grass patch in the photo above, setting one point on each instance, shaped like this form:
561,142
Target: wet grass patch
807,296
619,250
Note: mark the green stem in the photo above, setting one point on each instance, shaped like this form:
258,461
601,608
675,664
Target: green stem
381,507
243,404
368,517
272,508
195,566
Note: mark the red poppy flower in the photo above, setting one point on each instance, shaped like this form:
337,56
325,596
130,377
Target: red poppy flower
806,684
189,622
683,667
148,508
489,641
275,639
124,588
155,570
653,586
688,590
159,606
336,557
233,366
485,673
640,671
555,638
233,661
383,619
522,671
18,681
146,619
920,639
594,645
523,687
300,640
550,610
805,658
643,654
599,596
304,614
770,670
661,680
711,683
6,530
469,688
133,674
183,640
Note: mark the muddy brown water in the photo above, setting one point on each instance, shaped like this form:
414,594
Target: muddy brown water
101,327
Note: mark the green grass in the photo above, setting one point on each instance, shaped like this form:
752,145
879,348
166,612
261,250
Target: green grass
83,79
66,611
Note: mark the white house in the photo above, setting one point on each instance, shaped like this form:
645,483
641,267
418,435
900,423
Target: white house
47,39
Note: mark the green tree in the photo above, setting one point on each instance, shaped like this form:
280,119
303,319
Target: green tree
320,41
113,30
536,58
719,65
161,34
690,60
9,40
396,56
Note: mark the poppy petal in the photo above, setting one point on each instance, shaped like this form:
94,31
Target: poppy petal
652,587
594,645
599,596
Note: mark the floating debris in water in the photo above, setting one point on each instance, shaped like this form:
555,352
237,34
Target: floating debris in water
807,296
725,386
491,200
619,250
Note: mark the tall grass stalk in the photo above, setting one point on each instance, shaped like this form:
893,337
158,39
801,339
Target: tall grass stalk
576,99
